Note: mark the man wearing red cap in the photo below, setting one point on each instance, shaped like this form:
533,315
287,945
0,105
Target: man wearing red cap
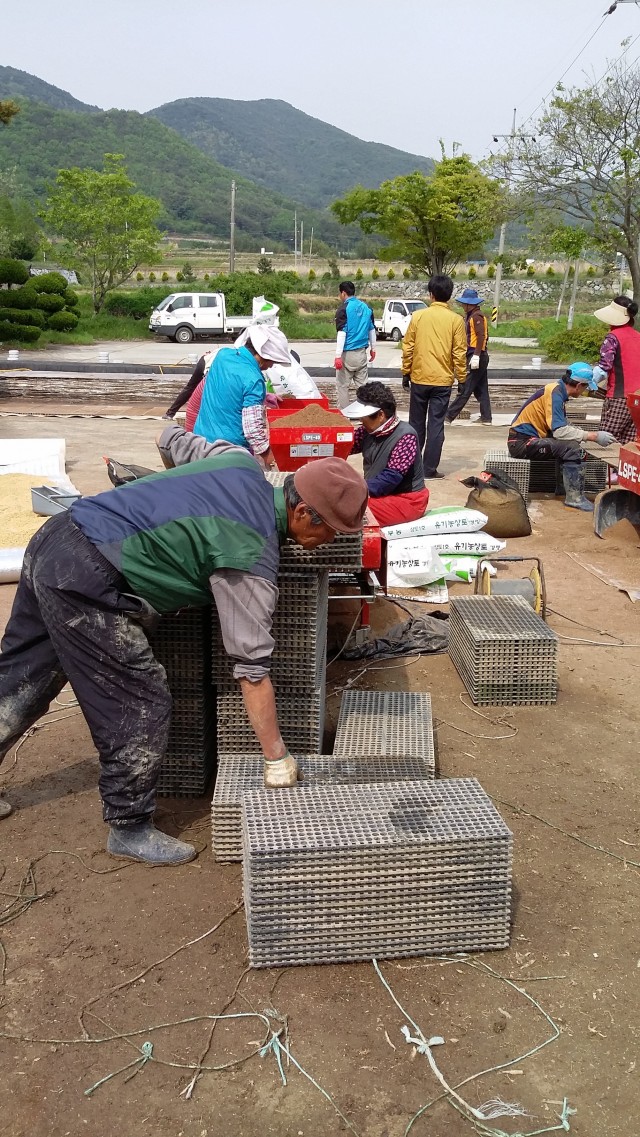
96,576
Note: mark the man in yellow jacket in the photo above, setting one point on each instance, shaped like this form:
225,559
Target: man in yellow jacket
434,352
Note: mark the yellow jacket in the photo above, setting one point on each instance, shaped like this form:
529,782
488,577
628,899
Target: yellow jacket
434,349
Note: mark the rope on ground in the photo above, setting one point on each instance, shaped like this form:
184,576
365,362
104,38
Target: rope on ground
499,721
383,667
599,631
490,1109
565,832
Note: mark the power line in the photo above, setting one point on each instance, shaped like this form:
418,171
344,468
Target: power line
567,70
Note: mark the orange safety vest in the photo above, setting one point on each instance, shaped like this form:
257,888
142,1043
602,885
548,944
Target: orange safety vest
472,335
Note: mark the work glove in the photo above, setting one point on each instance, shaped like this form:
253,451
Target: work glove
282,773
605,438
372,356
600,376
337,363
406,382
474,363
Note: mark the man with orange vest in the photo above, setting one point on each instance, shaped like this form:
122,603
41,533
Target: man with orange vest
477,381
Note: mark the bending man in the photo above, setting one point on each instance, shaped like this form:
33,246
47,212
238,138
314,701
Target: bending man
94,578
540,431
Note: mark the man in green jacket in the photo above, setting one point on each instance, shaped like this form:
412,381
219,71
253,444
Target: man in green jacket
94,578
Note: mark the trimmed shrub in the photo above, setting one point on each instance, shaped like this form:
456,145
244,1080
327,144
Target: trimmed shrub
491,272
591,271
19,298
391,274
375,275
359,274
47,301
49,282
550,271
165,277
311,274
71,298
152,276
406,272
139,276
580,343
472,273
531,270
13,272
20,316
179,276
24,333
62,321
206,276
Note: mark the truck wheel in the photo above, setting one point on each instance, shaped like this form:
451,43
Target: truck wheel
184,334
396,335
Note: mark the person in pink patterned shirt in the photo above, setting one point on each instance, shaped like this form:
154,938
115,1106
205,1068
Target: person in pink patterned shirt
391,456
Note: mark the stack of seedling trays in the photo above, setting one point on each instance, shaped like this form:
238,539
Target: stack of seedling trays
298,669
503,651
182,644
382,723
238,774
334,874
543,475
344,554
501,462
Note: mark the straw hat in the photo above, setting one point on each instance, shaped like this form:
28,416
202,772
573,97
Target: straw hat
615,315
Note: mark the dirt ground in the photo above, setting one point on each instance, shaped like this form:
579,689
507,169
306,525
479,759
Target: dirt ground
95,924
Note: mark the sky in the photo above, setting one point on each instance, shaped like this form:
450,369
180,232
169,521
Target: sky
404,72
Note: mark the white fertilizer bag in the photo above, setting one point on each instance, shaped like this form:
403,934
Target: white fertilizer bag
410,565
454,544
447,519
291,382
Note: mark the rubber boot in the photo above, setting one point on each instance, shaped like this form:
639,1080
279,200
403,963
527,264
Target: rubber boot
281,774
5,808
573,477
145,843
559,490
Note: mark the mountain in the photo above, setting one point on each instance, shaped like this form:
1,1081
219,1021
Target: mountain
284,149
194,189
19,85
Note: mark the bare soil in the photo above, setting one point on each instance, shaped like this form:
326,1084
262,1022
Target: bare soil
97,923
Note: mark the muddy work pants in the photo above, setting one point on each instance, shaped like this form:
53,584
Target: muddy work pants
542,449
72,619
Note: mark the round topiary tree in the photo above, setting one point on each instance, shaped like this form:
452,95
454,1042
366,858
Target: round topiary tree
359,274
152,276
139,276
472,274
406,273
164,278
62,321
13,272
391,274
375,275
491,272
311,274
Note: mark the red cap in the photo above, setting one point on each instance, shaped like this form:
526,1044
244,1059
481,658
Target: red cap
336,491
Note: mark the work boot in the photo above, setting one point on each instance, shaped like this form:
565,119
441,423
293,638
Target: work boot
573,477
143,842
281,774
5,808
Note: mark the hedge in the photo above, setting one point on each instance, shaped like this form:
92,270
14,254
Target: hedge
14,316
26,333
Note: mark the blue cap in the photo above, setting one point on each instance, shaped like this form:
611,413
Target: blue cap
582,373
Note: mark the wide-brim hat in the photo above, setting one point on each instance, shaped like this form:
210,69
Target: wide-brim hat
359,410
615,315
469,296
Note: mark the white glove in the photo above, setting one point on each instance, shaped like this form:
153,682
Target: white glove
474,363
604,438
600,376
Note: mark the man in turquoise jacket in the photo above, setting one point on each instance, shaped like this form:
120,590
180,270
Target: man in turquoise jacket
355,335
95,577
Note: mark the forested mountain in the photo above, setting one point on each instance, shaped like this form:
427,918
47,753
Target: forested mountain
20,85
194,189
278,146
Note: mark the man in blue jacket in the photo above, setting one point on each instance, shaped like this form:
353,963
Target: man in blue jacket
356,333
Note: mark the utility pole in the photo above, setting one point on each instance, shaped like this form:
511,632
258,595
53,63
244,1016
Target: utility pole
302,242
232,241
503,229
295,240
310,248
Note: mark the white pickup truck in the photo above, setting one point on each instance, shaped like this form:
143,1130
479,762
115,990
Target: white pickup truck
395,318
182,316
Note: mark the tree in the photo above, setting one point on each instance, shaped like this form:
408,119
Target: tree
583,159
107,226
8,110
430,221
264,266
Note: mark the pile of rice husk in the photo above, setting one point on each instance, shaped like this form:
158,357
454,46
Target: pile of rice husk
313,415
18,522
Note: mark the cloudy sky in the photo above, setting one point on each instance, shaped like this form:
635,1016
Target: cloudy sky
404,72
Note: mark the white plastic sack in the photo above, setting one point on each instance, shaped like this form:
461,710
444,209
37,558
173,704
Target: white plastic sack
263,311
44,456
447,519
464,568
291,382
412,567
452,543
10,565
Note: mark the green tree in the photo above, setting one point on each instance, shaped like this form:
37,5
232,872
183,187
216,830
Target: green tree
583,159
188,275
359,274
264,266
108,228
375,275
430,221
311,275
391,274
164,278
406,272
8,110
334,268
